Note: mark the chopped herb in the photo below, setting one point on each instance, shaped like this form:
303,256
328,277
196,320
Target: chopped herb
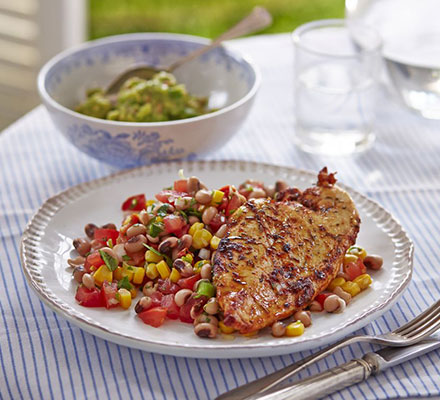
185,217
180,173
191,211
155,228
192,202
232,211
133,204
110,243
109,261
117,296
249,188
163,210
168,188
125,283
87,254
126,258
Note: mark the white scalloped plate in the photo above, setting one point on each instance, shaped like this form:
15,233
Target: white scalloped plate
47,243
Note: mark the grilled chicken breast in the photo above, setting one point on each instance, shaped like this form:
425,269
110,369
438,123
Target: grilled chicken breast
278,255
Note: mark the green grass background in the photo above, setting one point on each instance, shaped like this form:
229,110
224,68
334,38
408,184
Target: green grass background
206,18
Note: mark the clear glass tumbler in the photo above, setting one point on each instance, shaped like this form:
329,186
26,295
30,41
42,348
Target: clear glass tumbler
337,69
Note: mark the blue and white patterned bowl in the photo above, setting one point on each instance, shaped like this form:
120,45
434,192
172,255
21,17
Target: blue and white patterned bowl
229,80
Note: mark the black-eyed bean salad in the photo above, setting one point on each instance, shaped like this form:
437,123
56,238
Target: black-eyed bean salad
164,250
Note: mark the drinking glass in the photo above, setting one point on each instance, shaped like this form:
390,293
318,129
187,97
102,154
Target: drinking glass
336,80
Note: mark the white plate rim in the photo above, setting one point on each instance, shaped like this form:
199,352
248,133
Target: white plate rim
32,260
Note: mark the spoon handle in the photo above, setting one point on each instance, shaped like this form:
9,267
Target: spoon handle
258,19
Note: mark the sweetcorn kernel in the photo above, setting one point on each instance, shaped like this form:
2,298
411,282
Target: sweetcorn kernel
351,287
138,276
201,238
195,227
363,281
175,275
133,292
215,240
102,274
217,197
225,329
118,273
163,269
295,329
357,251
152,257
339,281
124,298
348,258
151,270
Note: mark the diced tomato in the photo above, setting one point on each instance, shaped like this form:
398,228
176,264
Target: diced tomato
181,185
225,189
137,258
233,204
171,306
134,203
156,298
167,287
321,298
173,223
185,310
188,283
169,196
222,206
354,269
218,220
89,297
103,235
153,316
108,293
128,222
93,259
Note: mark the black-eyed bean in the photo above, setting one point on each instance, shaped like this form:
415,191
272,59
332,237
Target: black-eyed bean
257,193
82,246
270,191
109,226
206,330
203,196
196,310
334,304
211,307
278,329
110,252
185,242
78,273
143,304
120,252
89,229
280,186
209,214
182,296
315,306
152,239
73,262
373,261
213,257
206,271
203,318
304,316
88,281
221,232
342,294
204,254
192,219
96,244
193,185
166,245
149,288
136,229
144,217
135,243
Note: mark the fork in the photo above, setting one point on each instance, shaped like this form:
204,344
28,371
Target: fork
412,332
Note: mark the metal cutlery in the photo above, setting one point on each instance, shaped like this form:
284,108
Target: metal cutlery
350,373
409,334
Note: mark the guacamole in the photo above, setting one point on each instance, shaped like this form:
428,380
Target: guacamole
160,98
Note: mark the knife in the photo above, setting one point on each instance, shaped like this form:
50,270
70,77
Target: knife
348,374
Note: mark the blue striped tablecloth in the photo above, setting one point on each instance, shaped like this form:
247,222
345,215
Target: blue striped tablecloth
44,357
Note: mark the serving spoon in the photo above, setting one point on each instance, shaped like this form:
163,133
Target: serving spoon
258,19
